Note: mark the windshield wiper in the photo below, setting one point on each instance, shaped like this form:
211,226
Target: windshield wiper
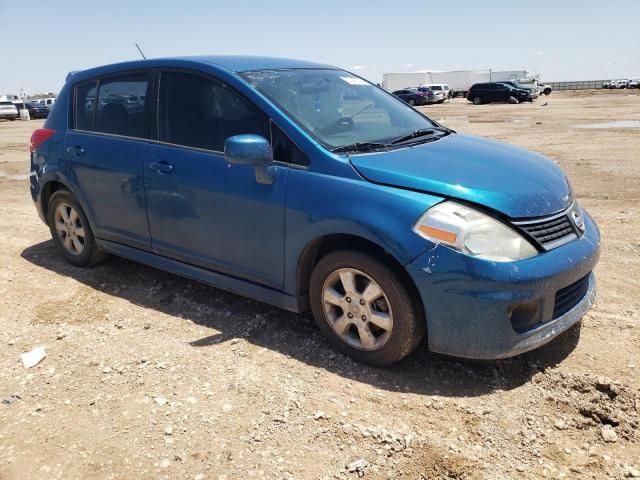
415,134
359,147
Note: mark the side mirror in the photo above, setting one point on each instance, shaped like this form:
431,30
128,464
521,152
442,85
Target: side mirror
251,150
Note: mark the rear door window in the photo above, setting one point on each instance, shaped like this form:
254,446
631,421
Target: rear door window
197,111
122,108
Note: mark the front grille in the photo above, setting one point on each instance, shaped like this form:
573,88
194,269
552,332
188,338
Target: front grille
568,297
547,232
553,231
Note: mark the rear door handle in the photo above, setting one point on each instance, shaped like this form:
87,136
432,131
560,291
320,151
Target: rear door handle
76,150
161,167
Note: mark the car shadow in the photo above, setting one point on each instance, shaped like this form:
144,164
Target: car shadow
296,335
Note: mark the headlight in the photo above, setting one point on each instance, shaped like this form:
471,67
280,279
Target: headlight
473,233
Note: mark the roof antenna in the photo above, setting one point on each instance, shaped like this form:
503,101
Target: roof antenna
138,47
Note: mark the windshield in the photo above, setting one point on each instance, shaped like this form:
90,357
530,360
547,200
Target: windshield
337,108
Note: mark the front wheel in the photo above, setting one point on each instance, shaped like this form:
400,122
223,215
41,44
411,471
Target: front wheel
71,231
364,308
412,102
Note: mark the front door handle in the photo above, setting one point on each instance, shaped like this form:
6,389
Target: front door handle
76,150
161,167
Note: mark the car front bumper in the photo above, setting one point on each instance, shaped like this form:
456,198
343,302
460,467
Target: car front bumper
469,303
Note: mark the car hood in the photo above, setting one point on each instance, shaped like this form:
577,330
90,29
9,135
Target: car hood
511,180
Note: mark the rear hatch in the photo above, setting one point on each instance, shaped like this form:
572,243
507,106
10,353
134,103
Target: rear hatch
7,108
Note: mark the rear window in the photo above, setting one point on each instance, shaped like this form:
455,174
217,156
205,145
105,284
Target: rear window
435,87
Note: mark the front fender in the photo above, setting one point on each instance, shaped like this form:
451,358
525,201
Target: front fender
319,205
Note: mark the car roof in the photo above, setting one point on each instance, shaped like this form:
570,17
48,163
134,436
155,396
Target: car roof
232,63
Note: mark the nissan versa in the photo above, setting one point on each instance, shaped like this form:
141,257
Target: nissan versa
305,186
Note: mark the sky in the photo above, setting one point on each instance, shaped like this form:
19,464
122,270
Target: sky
559,39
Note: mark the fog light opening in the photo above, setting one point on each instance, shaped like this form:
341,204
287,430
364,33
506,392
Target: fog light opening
526,316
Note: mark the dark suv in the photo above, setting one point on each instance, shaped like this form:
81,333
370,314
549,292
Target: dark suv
495,92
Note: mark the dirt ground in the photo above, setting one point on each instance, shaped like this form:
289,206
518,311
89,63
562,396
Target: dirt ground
149,375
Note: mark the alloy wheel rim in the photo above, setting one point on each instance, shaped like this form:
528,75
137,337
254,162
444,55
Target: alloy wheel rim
357,308
69,229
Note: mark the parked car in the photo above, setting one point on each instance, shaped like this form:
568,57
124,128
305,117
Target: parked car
37,110
426,90
532,92
8,111
633,84
412,97
613,84
265,181
480,93
439,91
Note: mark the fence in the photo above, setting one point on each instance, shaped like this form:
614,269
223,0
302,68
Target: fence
578,85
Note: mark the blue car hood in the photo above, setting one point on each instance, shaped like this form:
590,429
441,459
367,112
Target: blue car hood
511,180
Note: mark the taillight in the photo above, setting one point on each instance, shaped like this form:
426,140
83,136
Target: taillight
39,136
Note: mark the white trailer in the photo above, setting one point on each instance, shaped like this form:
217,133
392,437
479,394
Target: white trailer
507,75
460,81
399,81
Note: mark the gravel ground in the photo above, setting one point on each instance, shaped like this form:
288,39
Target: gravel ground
149,375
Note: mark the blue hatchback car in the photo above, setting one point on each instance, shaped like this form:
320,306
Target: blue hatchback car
305,186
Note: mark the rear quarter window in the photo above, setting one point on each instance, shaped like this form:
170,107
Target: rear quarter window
85,105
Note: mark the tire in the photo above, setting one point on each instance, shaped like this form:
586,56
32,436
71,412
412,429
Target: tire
412,102
513,100
440,101
477,100
70,227
394,304
547,91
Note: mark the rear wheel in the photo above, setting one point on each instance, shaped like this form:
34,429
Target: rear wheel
71,231
412,102
477,100
364,309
